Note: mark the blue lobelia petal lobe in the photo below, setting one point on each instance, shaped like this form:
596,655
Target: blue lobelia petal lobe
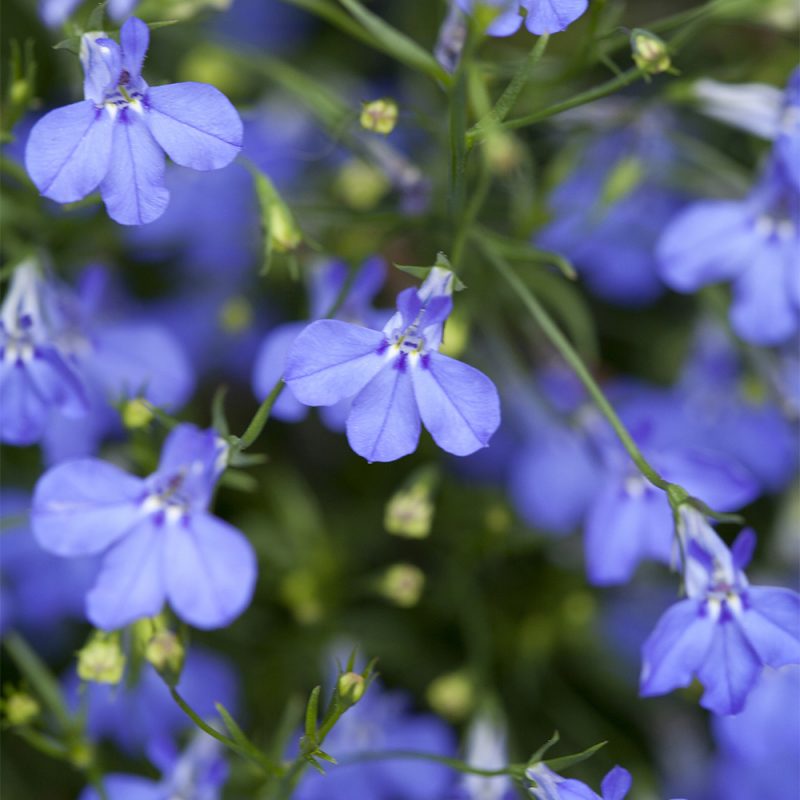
729,670
196,124
507,20
210,571
616,784
332,360
772,625
118,9
743,547
133,190
552,16
708,242
69,151
101,60
676,648
81,507
134,36
131,580
269,367
458,404
126,787
763,311
384,421
571,789
25,413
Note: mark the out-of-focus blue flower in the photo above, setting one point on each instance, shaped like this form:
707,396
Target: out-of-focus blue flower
539,16
134,717
611,209
115,138
157,538
272,25
382,721
397,378
549,785
725,632
57,12
754,243
326,282
38,592
198,773
486,749
759,749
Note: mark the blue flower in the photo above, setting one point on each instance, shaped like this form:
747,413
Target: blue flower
725,631
549,785
540,16
397,378
787,140
157,538
56,12
115,138
754,243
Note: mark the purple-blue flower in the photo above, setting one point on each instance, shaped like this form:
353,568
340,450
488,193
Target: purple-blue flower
158,541
549,785
539,16
397,378
56,12
115,138
755,243
725,632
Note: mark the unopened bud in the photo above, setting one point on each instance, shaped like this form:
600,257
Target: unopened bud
351,687
650,53
379,116
283,230
101,659
623,179
165,652
136,413
361,185
503,152
236,314
409,513
403,584
452,695
20,708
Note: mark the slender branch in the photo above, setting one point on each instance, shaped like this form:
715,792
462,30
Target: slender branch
456,764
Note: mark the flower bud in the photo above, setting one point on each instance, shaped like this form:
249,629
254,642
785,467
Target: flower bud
165,652
101,659
361,185
283,230
650,53
379,116
351,687
403,584
136,413
409,513
236,314
452,695
20,708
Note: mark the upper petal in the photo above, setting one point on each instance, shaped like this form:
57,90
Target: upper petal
458,403
616,784
195,123
552,16
332,360
131,580
69,150
210,571
133,189
384,422
134,36
81,507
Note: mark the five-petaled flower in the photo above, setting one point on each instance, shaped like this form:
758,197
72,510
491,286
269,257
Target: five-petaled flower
397,377
115,138
158,539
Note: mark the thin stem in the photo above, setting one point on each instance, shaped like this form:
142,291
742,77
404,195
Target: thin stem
570,355
253,430
460,766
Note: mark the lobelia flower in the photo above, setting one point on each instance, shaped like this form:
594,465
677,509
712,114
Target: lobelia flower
56,12
754,243
157,538
725,631
396,378
486,749
115,138
198,773
539,16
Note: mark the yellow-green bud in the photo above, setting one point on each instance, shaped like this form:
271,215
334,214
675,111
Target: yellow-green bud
283,230
456,336
650,53
236,314
136,413
351,687
403,584
503,151
20,708
81,754
361,185
379,116
622,180
165,652
452,695
101,660
409,513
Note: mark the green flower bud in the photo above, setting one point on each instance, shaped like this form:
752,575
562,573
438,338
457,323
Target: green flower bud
403,584
452,695
379,116
650,53
101,659
20,708
409,512
361,185
136,413
283,230
351,687
165,652
236,314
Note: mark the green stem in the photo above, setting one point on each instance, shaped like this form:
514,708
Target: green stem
460,766
258,422
570,355
509,97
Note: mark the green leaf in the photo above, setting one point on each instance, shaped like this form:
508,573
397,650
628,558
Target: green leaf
73,45
537,756
96,20
237,734
312,713
558,764
422,272
218,419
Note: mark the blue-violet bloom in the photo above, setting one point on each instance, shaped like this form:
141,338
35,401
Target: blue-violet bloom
539,16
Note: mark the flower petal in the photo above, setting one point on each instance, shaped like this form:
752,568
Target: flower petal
134,36
195,123
269,367
616,784
210,571
133,189
458,403
332,360
772,625
552,16
69,151
81,507
131,580
126,787
384,422
676,648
